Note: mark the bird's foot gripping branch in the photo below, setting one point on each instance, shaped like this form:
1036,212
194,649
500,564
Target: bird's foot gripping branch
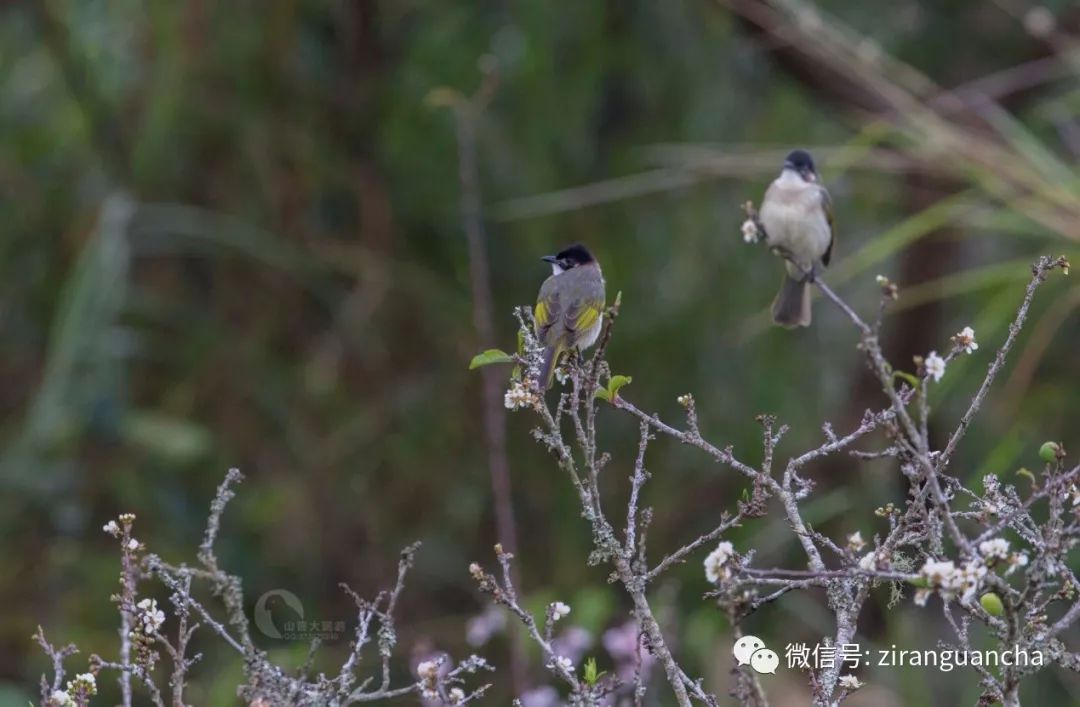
993,556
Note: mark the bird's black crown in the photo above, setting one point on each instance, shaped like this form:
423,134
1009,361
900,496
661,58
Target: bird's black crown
800,160
576,254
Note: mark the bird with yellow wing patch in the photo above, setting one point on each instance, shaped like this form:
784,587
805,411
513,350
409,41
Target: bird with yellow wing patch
570,307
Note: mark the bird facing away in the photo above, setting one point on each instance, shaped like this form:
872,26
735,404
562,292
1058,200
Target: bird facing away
570,306
797,216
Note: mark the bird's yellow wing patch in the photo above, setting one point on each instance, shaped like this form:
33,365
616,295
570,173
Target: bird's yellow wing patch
587,317
542,314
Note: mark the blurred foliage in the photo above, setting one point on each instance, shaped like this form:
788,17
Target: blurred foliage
232,239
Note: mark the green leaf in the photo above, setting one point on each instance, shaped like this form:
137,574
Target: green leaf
617,382
489,357
613,387
591,674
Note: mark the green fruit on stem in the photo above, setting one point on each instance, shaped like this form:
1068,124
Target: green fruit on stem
1049,451
992,603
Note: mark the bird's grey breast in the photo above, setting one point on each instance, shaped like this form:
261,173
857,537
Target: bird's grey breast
794,218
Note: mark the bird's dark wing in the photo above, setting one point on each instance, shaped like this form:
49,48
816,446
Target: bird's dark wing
826,204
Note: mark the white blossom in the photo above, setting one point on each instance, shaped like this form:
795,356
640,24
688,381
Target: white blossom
935,366
111,528
714,563
559,610
996,549
1074,493
1017,559
457,696
133,544
749,231
966,340
937,573
855,541
850,682
561,375
428,670
869,561
84,684
87,681
519,396
564,663
973,575
59,698
964,582
150,616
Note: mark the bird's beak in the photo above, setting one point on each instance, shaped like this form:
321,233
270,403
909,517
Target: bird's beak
550,259
809,175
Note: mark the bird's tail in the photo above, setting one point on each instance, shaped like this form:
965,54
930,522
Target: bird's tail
547,368
791,308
